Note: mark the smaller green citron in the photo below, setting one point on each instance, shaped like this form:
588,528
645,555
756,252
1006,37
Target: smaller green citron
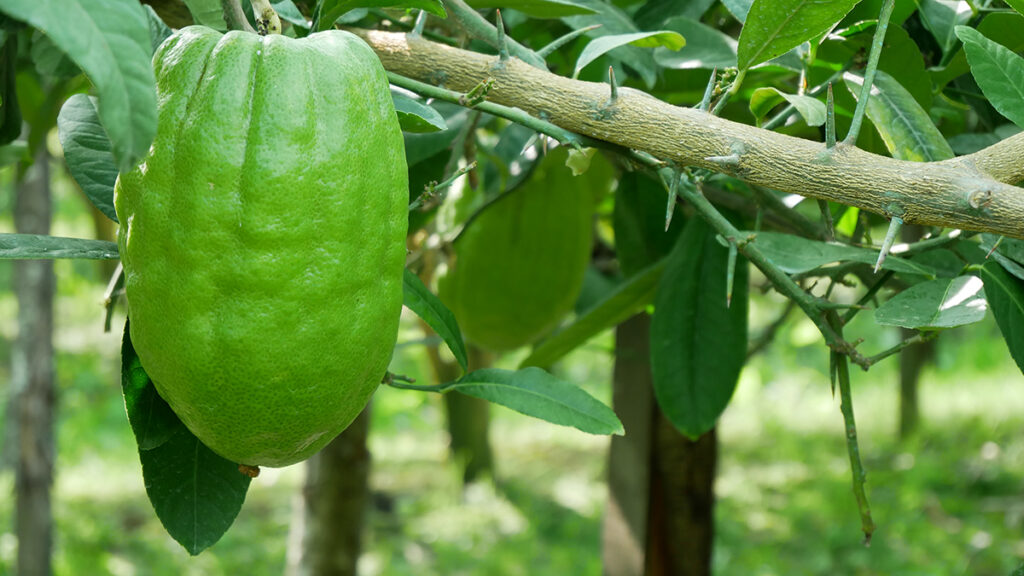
263,238
519,265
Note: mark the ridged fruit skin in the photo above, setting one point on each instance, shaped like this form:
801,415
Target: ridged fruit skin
519,265
263,238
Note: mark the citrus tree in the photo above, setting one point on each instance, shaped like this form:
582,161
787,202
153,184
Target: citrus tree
282,187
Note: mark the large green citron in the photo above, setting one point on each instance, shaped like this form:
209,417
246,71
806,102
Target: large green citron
519,265
263,238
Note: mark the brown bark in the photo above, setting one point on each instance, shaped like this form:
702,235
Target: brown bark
660,515
469,422
327,528
32,378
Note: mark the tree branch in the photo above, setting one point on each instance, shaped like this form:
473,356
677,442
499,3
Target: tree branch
972,192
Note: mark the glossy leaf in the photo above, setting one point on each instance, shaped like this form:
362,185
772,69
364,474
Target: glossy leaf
208,13
622,302
738,8
426,305
698,345
152,420
796,255
906,129
1006,299
419,147
639,219
1017,5
935,304
941,17
537,8
109,40
998,72
705,48
1001,27
653,14
196,494
42,247
328,11
600,46
614,21
763,100
534,392
415,117
774,27
87,152
158,31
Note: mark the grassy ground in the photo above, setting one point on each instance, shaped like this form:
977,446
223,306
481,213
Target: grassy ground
948,502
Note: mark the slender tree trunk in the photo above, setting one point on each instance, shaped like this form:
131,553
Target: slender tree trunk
327,525
913,359
469,422
659,519
32,378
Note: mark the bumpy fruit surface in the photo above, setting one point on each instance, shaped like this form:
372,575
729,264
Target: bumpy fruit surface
263,238
519,265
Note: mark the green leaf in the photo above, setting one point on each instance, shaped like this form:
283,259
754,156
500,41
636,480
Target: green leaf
152,420
1006,298
998,72
639,220
87,151
698,345
1001,27
158,31
109,40
328,11
941,17
763,100
196,493
209,13
935,304
289,12
536,393
420,147
707,48
1017,5
624,301
774,27
739,8
600,46
50,61
41,247
537,8
614,21
654,13
795,255
427,306
415,117
906,129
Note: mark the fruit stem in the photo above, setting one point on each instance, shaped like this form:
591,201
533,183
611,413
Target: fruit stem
267,21
234,16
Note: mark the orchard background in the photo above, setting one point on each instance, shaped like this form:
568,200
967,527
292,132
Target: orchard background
736,457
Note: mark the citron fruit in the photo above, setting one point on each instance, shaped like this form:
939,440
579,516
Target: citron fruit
263,238
519,265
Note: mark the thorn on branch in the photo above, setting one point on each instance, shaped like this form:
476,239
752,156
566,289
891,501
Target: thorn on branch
502,41
421,21
705,102
830,119
890,237
614,85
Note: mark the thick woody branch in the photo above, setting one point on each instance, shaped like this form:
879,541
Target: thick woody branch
972,192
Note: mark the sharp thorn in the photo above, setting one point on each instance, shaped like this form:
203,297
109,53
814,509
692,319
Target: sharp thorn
673,194
705,102
725,161
613,84
502,41
421,21
890,236
830,119
994,246
730,274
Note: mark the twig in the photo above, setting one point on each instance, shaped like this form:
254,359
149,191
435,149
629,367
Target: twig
476,26
234,16
918,338
869,72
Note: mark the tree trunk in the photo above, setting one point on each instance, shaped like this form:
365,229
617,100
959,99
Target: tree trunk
659,519
913,359
32,378
327,524
469,422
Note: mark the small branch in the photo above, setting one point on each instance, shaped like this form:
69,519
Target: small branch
853,448
267,20
563,40
869,73
234,16
919,338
